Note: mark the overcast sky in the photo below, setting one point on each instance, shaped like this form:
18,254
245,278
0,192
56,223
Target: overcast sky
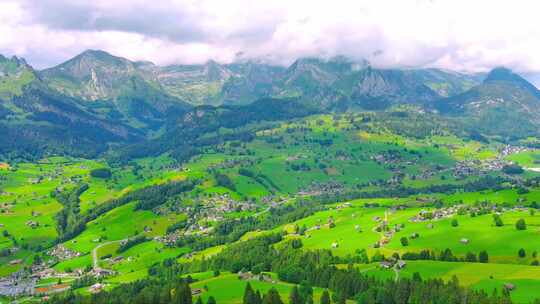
460,35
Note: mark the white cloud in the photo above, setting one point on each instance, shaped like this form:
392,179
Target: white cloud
454,34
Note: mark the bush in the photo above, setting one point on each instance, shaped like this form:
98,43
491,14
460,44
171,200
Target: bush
225,181
132,242
497,220
521,253
521,225
404,241
455,223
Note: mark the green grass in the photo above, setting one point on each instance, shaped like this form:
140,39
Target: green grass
228,288
138,259
477,275
121,223
528,159
481,233
15,84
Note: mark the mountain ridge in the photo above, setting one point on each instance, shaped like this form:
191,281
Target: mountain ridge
131,101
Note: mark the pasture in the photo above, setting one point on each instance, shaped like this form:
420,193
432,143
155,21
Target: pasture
477,275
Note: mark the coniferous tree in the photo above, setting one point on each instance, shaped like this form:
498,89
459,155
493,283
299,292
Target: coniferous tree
199,301
325,297
294,296
306,292
211,300
182,294
272,297
497,220
258,297
248,295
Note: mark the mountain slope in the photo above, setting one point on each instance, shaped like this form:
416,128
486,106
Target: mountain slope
35,119
504,104
199,84
115,86
340,83
206,126
446,83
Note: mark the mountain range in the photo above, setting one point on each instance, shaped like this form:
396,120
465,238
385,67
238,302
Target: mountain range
95,99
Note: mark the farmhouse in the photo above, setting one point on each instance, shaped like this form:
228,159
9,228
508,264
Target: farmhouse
464,241
386,264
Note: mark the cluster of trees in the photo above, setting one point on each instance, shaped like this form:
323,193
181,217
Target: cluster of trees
101,173
146,198
69,221
260,178
132,242
176,226
302,294
512,169
224,180
139,292
231,230
303,166
494,183
446,255
84,281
